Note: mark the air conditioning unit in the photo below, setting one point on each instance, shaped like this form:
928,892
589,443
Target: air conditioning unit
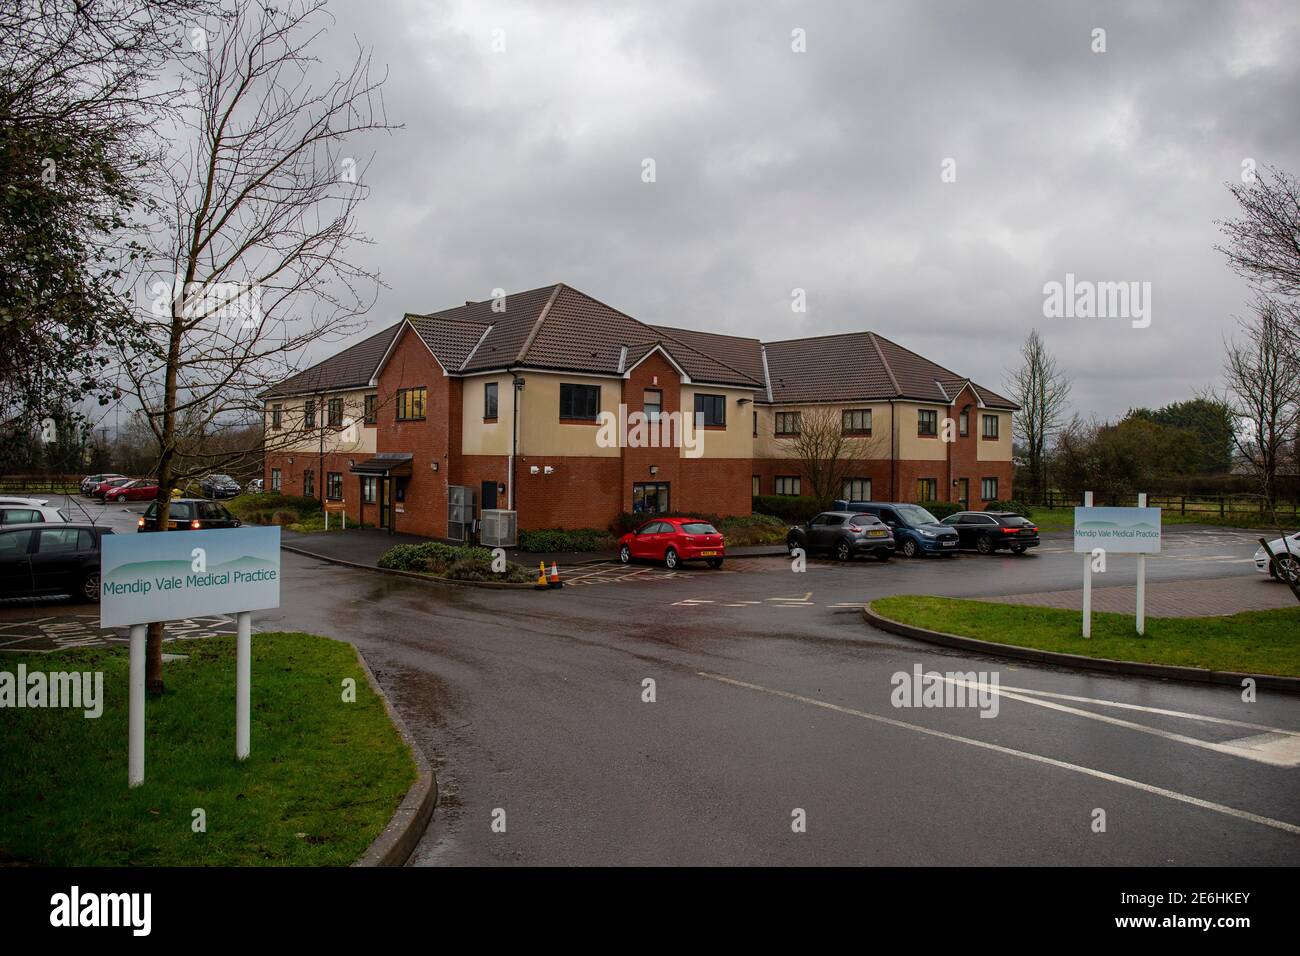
497,528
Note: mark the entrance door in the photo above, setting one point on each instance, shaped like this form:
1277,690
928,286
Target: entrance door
385,502
489,495
963,492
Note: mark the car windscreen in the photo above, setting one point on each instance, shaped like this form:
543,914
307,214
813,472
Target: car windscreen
914,515
699,527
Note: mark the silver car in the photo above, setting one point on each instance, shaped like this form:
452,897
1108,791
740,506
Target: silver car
30,514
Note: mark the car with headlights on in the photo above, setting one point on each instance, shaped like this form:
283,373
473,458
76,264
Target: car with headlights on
672,541
189,514
843,534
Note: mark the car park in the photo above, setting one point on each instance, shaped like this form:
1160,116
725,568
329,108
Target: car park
137,489
30,514
843,534
219,486
91,482
990,531
672,541
37,560
1285,563
189,514
916,531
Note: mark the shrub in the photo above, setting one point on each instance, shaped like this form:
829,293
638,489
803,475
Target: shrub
284,517
1019,507
941,509
261,509
430,557
630,522
559,539
791,508
480,569
743,530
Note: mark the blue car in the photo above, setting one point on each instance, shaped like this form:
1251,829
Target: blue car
916,531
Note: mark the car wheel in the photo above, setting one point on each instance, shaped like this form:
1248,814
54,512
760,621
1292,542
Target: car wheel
1018,548
89,588
670,558
984,544
843,552
625,555
715,563
1288,568
909,548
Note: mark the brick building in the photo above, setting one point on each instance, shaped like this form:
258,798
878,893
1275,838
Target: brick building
520,403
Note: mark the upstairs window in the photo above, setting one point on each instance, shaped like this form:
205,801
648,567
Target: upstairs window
857,421
652,403
410,403
713,408
309,414
277,416
927,422
490,400
788,423
581,402
335,410
372,407
991,427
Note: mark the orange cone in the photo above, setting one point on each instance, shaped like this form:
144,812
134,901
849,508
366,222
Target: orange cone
555,581
541,584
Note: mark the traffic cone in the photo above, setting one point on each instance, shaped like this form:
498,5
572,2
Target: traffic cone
555,581
541,584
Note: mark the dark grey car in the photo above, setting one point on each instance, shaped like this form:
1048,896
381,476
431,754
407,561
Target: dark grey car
843,534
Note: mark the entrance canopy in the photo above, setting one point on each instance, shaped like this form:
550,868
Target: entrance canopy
390,464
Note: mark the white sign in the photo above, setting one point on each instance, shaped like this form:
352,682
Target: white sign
1117,530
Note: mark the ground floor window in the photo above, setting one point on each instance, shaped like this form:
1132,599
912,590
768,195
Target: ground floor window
275,479
857,489
334,485
368,494
989,489
650,497
927,489
308,483
755,487
787,484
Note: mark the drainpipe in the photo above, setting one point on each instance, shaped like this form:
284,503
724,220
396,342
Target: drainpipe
517,385
893,451
320,467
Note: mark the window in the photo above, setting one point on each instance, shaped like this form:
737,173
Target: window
857,489
308,483
368,483
335,408
14,543
756,424
372,405
652,402
991,427
277,416
650,497
787,423
410,403
857,421
787,484
489,401
713,408
334,485
927,421
214,512
580,402
64,541
828,521
309,414
754,486
275,479
989,489
20,516
698,527
927,489
963,424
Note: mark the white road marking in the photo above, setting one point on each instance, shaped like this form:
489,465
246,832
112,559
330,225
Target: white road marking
1025,755
1278,756
805,599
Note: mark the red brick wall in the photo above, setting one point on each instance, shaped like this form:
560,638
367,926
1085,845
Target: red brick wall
580,493
876,469
719,486
291,477
654,372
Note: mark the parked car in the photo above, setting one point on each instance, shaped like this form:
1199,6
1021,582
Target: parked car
31,514
91,482
189,514
104,487
38,560
219,486
915,530
672,541
1286,558
138,489
26,502
989,531
255,487
843,534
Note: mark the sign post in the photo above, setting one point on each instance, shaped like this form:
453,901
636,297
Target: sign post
1087,574
179,574
339,507
1116,531
1142,580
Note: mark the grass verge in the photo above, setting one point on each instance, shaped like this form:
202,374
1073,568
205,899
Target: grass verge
323,778
1062,519
1256,642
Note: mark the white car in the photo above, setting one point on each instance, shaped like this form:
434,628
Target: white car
27,514
28,502
1284,562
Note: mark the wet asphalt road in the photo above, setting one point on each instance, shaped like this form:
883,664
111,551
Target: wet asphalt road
532,704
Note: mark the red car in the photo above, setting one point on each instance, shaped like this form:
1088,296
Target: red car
102,489
673,540
138,489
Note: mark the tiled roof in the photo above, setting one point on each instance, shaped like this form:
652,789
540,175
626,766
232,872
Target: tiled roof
743,354
350,368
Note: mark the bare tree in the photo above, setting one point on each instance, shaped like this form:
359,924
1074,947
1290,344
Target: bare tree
827,455
1263,392
249,263
1040,388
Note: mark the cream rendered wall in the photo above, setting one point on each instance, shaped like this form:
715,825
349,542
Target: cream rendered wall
736,440
999,450
355,437
912,446
489,438
540,429
767,445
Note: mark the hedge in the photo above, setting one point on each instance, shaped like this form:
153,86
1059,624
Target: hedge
555,540
941,509
792,508
458,562
1019,507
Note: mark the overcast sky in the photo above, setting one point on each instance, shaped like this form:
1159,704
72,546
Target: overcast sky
821,170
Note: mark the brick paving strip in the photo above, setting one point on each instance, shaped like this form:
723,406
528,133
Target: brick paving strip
1207,597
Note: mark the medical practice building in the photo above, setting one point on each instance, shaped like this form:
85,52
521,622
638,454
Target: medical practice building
496,405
